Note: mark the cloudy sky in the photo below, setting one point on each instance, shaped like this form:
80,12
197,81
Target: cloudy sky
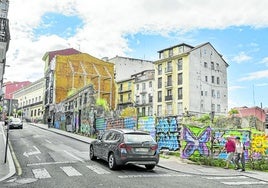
139,28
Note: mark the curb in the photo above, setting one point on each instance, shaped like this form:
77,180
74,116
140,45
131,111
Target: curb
11,165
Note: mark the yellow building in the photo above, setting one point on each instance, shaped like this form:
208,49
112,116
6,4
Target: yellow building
68,70
190,80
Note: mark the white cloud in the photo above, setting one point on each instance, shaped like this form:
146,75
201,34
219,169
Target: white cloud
264,61
255,76
106,23
231,88
241,57
262,84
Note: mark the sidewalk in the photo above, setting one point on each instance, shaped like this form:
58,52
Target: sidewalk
175,163
6,169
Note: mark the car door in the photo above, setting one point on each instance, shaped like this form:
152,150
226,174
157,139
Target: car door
102,145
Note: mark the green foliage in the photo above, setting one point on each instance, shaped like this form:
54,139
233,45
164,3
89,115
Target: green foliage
19,112
102,103
261,164
205,119
233,112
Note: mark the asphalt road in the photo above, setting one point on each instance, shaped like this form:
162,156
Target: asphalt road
49,160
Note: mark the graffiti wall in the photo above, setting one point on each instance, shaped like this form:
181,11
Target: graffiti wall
259,146
147,124
196,141
219,140
168,133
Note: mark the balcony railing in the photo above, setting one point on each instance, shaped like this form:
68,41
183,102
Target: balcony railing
168,98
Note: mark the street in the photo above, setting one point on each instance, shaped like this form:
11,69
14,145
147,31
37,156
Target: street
46,159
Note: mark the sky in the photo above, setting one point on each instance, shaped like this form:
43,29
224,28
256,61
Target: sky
138,29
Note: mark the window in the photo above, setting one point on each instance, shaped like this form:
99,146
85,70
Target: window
150,97
180,93
159,110
206,93
205,64
160,69
218,108
39,98
35,112
212,66
137,87
35,99
160,55
217,66
218,94
137,99
169,66
85,98
129,97
206,78
202,93
213,107
180,79
218,80
143,86
179,64
169,92
213,93
180,109
150,111
169,109
169,80
121,87
143,98
150,84
159,96
160,82
212,79
121,98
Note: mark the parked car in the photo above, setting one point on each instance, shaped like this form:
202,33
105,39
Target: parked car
15,123
125,146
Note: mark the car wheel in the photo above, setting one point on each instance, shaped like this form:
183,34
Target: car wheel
91,153
149,167
111,162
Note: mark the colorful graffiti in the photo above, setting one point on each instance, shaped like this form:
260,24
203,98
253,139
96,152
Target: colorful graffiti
147,124
115,123
167,134
195,141
219,140
259,145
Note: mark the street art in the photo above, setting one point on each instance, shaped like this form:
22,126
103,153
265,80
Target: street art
130,122
100,124
219,140
147,124
195,141
115,123
167,134
259,146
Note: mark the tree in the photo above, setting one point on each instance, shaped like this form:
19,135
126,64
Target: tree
233,112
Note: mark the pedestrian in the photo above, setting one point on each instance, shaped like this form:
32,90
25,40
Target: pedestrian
230,149
49,122
240,156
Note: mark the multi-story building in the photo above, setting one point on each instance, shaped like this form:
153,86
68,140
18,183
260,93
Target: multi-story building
4,40
30,100
191,80
144,91
10,87
124,68
67,71
125,93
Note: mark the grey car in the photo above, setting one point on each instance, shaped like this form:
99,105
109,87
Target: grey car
15,123
125,146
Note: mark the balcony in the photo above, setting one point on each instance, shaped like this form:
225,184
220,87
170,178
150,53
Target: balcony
168,84
168,98
168,70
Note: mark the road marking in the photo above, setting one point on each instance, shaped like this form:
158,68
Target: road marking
37,151
51,163
98,169
48,141
225,177
41,173
245,183
70,171
38,158
154,175
73,156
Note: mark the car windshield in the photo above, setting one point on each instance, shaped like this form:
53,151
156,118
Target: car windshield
138,138
16,120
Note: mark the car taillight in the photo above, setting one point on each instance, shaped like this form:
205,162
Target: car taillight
154,147
124,146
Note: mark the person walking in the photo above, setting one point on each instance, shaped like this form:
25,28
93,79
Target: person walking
230,149
240,156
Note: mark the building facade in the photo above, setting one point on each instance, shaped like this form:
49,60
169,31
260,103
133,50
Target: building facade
30,100
67,71
125,94
10,87
143,92
190,80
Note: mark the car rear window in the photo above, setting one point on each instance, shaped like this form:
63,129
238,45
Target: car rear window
15,120
138,138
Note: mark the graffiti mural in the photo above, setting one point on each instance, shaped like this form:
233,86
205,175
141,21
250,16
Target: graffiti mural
259,146
147,124
219,140
167,133
115,123
130,122
195,141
